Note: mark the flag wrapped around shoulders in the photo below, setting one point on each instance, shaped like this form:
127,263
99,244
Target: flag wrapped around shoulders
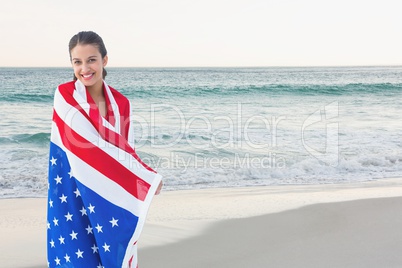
99,189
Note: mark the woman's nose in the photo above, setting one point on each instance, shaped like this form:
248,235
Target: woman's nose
86,67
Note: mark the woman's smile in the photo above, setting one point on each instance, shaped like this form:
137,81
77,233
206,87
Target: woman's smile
87,76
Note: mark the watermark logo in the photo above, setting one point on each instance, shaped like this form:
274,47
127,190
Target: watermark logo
238,139
325,118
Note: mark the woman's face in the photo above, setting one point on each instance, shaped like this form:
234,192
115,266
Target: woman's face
88,64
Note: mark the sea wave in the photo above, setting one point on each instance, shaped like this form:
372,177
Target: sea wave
27,98
208,171
36,139
168,92
272,89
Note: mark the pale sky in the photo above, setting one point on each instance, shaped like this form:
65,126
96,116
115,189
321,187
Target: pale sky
176,33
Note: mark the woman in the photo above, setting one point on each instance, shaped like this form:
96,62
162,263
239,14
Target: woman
99,189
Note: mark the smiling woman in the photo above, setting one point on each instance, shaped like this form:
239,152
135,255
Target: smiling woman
99,189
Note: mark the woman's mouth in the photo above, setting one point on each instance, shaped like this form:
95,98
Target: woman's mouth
87,76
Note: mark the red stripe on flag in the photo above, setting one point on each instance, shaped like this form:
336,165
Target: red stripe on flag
66,90
100,160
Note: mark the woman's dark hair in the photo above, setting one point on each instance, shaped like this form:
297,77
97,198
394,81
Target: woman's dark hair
88,38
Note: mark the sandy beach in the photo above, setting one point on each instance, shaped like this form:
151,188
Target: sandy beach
337,225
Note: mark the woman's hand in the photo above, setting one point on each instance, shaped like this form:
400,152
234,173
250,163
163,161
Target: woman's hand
158,191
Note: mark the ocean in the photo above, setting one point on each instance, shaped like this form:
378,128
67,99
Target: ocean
223,127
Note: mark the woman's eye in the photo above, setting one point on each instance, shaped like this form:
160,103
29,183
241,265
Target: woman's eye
92,60
77,62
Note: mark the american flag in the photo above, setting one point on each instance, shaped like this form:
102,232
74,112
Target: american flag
99,190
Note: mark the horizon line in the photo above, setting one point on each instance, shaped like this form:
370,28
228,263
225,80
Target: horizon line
222,66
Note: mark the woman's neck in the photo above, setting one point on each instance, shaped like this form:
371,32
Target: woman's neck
98,96
96,91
